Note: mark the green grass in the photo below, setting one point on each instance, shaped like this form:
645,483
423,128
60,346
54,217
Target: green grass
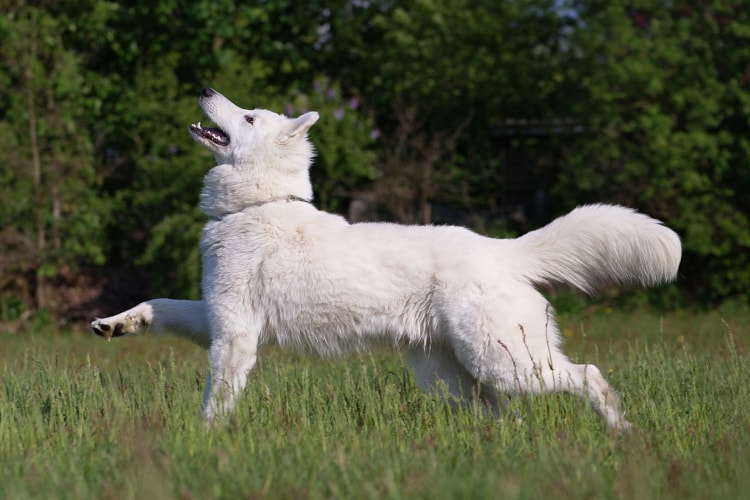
82,418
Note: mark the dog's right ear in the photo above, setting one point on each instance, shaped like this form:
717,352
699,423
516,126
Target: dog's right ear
298,128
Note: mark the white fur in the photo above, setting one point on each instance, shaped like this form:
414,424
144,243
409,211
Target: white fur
276,270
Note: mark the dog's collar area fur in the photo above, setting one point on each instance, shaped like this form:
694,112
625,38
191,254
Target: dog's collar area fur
281,199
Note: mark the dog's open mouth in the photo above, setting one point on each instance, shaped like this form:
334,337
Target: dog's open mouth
215,135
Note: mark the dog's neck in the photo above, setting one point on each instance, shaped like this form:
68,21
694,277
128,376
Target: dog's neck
285,199
229,190
281,199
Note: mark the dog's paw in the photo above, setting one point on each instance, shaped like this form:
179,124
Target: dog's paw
104,329
111,327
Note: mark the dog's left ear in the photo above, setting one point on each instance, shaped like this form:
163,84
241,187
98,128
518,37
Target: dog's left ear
298,128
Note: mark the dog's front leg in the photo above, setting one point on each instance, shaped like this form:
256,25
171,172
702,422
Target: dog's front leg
232,358
182,318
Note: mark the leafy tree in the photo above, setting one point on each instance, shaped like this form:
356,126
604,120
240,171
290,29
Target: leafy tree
440,76
52,217
667,112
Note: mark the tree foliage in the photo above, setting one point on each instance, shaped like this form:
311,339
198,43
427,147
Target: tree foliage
52,216
97,168
440,75
667,111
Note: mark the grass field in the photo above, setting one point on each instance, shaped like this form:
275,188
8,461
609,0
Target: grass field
82,418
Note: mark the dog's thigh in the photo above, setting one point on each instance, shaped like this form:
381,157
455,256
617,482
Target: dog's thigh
437,369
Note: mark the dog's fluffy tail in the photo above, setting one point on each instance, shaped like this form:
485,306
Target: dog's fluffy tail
598,246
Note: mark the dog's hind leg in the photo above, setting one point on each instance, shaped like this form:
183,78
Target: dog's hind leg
538,372
580,380
532,375
182,318
437,371
587,381
514,349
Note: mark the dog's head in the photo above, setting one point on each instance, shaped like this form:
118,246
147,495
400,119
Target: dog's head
262,156
245,137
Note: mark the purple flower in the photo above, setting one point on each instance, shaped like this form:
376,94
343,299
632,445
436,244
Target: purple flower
374,134
288,109
338,113
353,103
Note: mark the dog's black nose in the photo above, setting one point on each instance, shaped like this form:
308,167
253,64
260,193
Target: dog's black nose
208,92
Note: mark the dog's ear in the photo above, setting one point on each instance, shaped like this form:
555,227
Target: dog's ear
297,128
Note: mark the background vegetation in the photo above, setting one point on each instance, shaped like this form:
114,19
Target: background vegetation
494,114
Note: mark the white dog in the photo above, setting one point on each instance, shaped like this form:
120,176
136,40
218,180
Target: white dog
465,307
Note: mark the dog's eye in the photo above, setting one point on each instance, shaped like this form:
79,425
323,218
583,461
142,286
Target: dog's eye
250,119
